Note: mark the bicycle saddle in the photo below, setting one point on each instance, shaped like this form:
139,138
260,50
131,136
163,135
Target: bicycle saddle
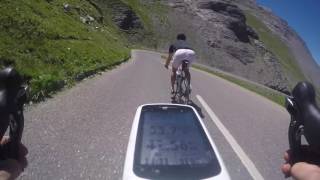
185,64
305,99
185,61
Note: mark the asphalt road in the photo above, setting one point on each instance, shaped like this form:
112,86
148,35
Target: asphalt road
83,132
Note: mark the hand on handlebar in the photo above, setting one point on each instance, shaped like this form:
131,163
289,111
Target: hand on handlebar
308,169
11,168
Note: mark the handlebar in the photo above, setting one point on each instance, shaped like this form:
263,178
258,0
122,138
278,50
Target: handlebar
305,119
10,90
12,98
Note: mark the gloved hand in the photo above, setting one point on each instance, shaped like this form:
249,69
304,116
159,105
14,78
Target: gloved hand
307,170
10,168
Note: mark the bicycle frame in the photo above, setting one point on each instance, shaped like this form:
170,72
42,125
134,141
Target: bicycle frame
182,85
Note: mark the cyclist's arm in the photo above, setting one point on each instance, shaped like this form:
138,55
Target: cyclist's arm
171,52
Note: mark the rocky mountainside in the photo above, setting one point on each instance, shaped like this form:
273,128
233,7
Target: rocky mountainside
297,46
240,37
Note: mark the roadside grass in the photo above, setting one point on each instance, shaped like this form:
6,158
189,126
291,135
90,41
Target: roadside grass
273,96
275,45
278,98
53,48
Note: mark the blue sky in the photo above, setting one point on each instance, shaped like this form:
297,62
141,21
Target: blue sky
303,16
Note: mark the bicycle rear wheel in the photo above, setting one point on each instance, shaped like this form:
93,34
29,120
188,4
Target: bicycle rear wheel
179,91
186,91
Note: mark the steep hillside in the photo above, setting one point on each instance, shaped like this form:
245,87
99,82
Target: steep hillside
285,33
54,43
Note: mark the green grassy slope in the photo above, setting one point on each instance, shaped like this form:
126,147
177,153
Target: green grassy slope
54,48
275,45
271,95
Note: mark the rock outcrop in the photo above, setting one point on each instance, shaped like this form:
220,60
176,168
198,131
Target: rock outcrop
121,14
307,64
237,24
124,17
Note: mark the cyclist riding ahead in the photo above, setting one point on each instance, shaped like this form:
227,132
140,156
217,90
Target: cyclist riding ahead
178,52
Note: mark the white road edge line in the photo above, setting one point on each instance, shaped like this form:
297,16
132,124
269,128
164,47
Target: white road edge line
253,171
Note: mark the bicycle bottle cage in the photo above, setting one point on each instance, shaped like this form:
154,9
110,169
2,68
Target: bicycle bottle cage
305,118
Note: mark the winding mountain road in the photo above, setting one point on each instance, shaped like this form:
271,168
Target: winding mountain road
83,132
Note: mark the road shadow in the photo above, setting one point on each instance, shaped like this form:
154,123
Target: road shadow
191,103
199,110
12,168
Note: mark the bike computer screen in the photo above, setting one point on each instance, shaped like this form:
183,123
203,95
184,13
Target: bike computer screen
171,143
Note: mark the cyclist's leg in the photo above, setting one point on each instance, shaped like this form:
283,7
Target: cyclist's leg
191,57
176,62
187,73
173,79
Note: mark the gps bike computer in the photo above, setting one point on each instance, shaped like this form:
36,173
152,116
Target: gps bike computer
170,142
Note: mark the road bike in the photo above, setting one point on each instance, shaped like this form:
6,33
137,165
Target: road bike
182,86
